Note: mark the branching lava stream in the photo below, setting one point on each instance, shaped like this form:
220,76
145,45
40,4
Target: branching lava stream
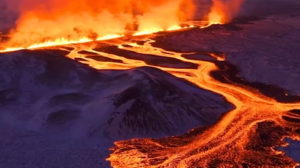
243,137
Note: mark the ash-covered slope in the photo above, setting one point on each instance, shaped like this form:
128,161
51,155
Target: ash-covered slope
147,101
47,92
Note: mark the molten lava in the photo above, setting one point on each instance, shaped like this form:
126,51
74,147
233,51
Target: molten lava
60,41
233,141
65,41
236,140
54,22
230,142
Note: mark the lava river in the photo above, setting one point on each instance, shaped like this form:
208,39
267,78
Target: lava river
244,137
247,136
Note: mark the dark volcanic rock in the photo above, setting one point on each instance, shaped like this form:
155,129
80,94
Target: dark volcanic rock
149,59
59,92
228,73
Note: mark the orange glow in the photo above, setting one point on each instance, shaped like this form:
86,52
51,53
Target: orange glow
64,41
60,41
79,21
55,22
231,133
223,11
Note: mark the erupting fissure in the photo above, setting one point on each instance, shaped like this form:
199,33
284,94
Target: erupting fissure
66,41
55,22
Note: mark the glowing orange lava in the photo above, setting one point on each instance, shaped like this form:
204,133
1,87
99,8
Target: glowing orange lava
60,41
224,144
230,135
64,41
52,23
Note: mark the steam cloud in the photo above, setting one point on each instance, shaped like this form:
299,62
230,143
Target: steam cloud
224,11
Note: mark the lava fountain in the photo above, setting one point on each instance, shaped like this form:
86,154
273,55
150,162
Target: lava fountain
52,23
48,23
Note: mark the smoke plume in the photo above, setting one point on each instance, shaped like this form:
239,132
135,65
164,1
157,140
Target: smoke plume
224,11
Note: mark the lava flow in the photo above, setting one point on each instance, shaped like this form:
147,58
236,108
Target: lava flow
235,140
245,136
